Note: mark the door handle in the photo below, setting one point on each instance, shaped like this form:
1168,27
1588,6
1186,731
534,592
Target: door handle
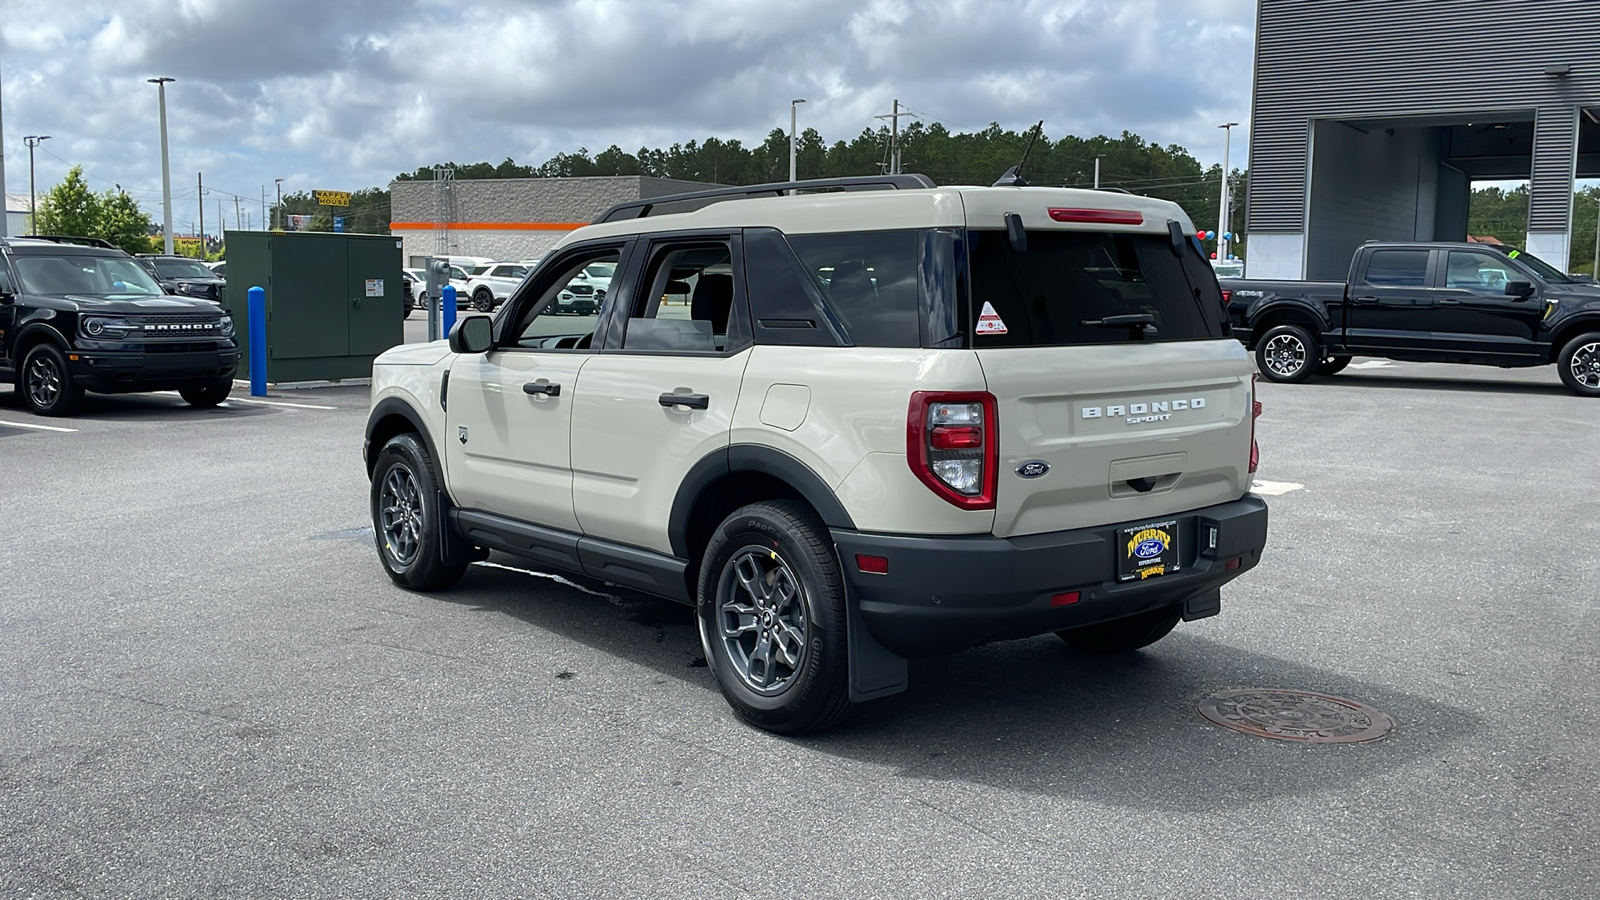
1366,299
693,401
542,387
1446,301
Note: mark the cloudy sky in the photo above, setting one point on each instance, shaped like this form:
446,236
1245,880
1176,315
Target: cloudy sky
344,94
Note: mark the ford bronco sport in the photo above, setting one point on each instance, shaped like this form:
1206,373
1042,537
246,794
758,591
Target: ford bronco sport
871,420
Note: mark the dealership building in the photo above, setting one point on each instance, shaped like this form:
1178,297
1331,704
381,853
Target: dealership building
509,218
1372,119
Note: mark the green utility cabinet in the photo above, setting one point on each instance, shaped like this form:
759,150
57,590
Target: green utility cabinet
334,301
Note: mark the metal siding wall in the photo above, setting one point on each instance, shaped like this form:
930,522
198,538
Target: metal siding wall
1555,143
1368,59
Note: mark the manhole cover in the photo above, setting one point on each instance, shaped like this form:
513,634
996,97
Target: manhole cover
1296,716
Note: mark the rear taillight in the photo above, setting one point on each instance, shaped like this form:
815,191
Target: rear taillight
952,445
1255,413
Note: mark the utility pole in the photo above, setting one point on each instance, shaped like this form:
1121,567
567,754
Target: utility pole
3,216
1097,171
277,211
264,207
238,217
792,105
166,174
33,140
200,200
1222,208
894,137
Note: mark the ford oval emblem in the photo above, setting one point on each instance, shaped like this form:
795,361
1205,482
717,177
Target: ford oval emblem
1033,468
1149,549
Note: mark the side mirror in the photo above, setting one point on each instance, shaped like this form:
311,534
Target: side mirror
1521,290
473,334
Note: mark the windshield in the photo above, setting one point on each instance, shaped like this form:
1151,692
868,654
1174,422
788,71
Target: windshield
83,274
182,268
600,270
1540,267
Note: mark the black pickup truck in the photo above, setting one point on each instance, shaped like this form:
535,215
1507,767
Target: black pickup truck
1483,304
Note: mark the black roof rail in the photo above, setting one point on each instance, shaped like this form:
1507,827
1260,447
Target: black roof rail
639,209
69,239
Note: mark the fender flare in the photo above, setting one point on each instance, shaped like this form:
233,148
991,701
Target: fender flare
750,458
1280,304
395,406
51,334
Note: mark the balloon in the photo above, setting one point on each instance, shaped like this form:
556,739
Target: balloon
1213,254
1227,235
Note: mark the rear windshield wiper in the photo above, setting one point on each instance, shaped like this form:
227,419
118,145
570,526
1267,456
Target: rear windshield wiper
1132,320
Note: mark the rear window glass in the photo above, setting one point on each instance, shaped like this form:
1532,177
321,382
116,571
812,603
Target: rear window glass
871,281
1079,287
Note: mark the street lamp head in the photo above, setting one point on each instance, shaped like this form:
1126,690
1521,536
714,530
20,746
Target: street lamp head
160,80
793,102
1227,124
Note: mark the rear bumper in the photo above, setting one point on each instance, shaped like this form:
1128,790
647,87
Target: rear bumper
128,372
944,594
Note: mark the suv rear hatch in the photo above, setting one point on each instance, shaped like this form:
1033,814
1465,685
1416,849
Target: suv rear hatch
1120,397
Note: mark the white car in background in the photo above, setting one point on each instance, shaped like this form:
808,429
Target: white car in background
490,285
586,292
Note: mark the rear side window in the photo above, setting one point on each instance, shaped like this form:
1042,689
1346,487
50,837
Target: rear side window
871,282
1402,268
1083,287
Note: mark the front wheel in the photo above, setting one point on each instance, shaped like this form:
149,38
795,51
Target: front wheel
405,517
1287,353
1333,365
47,384
209,395
1579,364
1124,635
770,605
483,300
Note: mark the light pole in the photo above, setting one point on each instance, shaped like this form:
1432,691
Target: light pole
166,174
793,105
1222,211
277,213
1594,267
33,140
1097,158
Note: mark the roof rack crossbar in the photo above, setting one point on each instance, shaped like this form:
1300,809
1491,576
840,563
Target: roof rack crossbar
639,209
70,239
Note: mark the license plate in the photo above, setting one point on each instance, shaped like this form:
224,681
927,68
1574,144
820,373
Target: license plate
1146,551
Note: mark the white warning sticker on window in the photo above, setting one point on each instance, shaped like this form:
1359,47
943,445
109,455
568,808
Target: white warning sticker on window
989,321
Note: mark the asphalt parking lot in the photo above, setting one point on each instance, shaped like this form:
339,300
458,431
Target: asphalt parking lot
211,690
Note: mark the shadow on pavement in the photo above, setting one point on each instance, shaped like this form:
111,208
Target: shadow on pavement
1033,715
1413,382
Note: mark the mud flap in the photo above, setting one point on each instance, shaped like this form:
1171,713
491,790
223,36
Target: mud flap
1203,604
875,671
453,548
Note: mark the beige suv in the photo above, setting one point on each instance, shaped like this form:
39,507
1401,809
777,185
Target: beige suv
870,420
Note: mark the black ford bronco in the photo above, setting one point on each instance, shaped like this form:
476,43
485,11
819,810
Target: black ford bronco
78,314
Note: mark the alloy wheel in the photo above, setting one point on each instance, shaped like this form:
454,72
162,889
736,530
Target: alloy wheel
762,615
1285,355
43,381
400,515
1585,365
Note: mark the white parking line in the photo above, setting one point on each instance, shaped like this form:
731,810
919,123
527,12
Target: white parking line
1370,364
276,403
40,427
1276,488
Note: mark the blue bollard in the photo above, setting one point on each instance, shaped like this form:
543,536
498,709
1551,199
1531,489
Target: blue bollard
447,308
258,342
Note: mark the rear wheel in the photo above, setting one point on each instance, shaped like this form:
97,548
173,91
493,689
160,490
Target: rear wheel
1124,635
483,300
209,395
1333,365
772,619
405,517
1579,364
1287,353
47,384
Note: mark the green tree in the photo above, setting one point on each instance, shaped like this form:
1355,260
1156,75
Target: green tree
72,209
123,223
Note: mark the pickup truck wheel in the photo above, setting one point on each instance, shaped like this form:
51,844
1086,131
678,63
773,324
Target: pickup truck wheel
1333,365
47,384
405,517
209,395
1579,364
483,300
770,605
1124,635
1287,353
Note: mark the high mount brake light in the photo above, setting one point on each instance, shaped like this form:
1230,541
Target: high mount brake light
953,446
1098,216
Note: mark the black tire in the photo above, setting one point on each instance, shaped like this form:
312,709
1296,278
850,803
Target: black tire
46,383
483,300
780,550
1124,635
405,517
210,395
1333,365
1579,364
1287,353
411,306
